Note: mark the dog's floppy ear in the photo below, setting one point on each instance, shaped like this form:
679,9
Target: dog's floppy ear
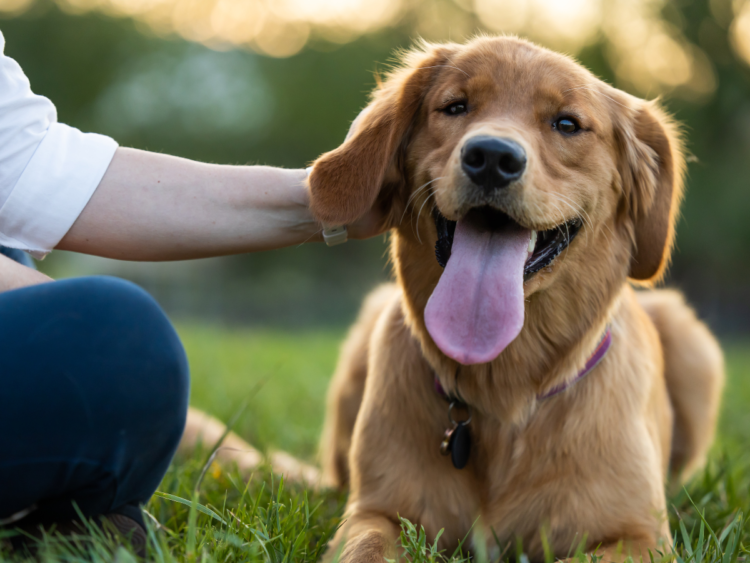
345,182
651,166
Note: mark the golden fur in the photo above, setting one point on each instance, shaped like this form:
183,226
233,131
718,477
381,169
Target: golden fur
588,465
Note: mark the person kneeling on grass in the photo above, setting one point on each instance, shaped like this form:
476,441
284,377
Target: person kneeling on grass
94,378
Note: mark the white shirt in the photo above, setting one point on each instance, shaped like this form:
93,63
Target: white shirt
48,170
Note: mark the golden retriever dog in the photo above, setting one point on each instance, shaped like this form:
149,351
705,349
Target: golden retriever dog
525,198
511,382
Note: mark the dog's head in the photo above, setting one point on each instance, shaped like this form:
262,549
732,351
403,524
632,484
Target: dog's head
543,187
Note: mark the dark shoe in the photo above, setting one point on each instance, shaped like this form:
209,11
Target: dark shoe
127,527
113,525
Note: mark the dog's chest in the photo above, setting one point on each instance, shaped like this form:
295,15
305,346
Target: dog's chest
527,480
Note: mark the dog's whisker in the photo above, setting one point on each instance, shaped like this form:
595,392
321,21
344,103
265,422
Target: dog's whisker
559,211
419,238
426,201
413,196
563,221
421,188
577,209
565,199
584,214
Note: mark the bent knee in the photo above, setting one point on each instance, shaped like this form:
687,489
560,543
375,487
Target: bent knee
130,350
144,342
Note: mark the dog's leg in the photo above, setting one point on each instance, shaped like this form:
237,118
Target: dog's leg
346,389
397,469
205,430
364,538
694,372
639,550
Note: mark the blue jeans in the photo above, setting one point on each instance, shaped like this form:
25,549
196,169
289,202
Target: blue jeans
93,398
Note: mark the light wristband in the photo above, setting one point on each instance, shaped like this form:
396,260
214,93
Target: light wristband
333,234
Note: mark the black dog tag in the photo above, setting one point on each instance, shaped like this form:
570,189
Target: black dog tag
460,445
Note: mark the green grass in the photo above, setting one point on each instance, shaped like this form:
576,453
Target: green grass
283,378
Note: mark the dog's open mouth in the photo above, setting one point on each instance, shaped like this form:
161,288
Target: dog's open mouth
477,308
544,246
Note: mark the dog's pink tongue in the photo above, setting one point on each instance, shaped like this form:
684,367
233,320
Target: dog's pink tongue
477,307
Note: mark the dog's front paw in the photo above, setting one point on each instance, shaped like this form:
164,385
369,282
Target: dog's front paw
370,547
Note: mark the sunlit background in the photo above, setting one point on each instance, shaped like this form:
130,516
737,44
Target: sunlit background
643,41
278,81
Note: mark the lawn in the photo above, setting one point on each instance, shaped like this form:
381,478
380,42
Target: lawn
280,379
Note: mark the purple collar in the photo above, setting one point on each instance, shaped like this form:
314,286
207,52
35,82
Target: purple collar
597,356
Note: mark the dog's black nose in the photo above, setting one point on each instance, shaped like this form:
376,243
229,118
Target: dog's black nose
492,162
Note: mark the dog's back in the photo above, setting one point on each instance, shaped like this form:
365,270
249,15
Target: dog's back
694,371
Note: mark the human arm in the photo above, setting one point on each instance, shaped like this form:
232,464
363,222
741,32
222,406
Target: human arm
14,275
152,206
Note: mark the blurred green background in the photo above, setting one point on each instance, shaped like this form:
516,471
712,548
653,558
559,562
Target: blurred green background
183,77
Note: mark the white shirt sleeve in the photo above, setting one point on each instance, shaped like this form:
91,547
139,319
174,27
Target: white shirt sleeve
48,171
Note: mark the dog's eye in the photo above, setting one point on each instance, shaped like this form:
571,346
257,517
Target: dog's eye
567,125
456,108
